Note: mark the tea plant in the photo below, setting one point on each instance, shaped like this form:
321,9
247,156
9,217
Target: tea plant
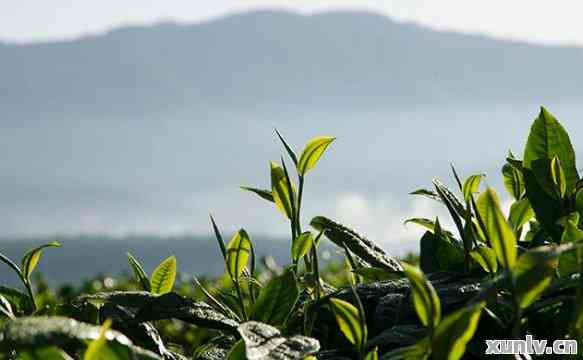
494,276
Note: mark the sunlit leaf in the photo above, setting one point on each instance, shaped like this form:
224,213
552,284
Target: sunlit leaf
238,253
312,152
498,231
513,181
558,176
425,299
280,190
520,213
533,273
454,332
472,185
372,355
163,276
31,258
348,320
486,257
569,262
262,193
98,345
301,245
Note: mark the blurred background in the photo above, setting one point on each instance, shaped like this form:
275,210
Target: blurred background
123,124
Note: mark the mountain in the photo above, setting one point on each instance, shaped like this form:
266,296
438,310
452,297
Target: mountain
147,128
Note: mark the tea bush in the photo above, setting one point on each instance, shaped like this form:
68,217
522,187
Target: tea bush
493,276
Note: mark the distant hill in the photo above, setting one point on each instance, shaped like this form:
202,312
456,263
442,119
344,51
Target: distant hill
147,129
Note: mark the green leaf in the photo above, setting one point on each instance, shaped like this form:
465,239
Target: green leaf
419,351
280,190
425,299
237,352
162,280
301,245
439,253
98,345
455,331
558,176
499,233
31,258
312,152
139,272
426,223
262,193
47,353
548,139
349,322
373,354
533,273
513,181
20,302
276,300
472,185
520,213
238,253
569,262
486,257
374,273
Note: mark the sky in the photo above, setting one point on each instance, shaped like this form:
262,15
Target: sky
546,22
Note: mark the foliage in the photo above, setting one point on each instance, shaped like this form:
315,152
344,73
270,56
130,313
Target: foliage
494,275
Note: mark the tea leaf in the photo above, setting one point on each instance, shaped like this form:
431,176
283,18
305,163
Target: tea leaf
163,277
280,190
533,273
98,345
276,300
420,351
569,262
139,272
520,213
238,252
362,247
425,299
312,152
455,331
548,139
237,352
374,273
265,342
6,308
48,353
372,355
288,148
498,231
426,223
301,245
513,181
264,194
472,185
486,257
348,320
31,258
558,176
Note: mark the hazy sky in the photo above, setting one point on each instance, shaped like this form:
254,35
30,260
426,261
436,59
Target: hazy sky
539,21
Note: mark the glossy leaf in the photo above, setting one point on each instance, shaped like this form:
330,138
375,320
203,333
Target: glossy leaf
280,191
163,276
425,299
498,231
348,320
31,258
548,139
454,332
472,185
139,272
6,308
276,300
238,253
314,149
301,245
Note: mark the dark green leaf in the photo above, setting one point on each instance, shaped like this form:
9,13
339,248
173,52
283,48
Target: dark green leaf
533,273
288,148
264,194
139,272
548,139
276,300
